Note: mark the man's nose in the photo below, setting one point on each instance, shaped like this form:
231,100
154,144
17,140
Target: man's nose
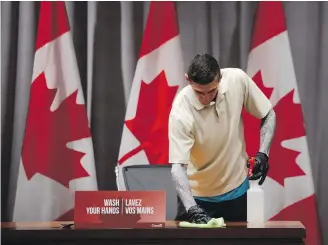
207,97
204,97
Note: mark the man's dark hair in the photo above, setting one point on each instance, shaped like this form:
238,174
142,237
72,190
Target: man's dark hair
204,69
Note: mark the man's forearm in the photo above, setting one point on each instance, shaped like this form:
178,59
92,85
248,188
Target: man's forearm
181,183
267,130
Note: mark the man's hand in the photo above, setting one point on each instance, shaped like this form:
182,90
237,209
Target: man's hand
261,167
197,215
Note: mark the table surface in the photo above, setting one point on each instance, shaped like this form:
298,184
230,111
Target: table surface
267,230
168,225
40,233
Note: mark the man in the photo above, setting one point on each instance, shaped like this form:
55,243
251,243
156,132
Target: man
206,141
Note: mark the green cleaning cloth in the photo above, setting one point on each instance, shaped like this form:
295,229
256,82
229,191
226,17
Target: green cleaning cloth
213,223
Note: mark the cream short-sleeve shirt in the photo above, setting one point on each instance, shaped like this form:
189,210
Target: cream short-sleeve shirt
210,139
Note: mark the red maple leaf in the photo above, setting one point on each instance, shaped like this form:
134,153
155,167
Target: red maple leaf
289,125
47,133
150,125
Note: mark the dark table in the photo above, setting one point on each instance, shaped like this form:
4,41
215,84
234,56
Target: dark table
50,233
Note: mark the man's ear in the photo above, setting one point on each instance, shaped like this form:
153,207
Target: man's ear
187,78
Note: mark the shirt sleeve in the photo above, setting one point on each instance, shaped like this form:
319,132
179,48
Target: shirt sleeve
255,101
181,140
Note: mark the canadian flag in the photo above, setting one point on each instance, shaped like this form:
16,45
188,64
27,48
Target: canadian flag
158,77
57,153
289,188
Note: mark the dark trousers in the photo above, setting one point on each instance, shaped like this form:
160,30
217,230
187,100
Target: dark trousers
232,210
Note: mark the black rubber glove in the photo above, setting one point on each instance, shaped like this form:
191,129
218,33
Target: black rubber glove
261,167
197,215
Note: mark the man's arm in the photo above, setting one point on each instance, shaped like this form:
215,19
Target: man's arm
259,106
267,130
181,141
181,183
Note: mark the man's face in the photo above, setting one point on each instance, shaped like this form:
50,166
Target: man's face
205,93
